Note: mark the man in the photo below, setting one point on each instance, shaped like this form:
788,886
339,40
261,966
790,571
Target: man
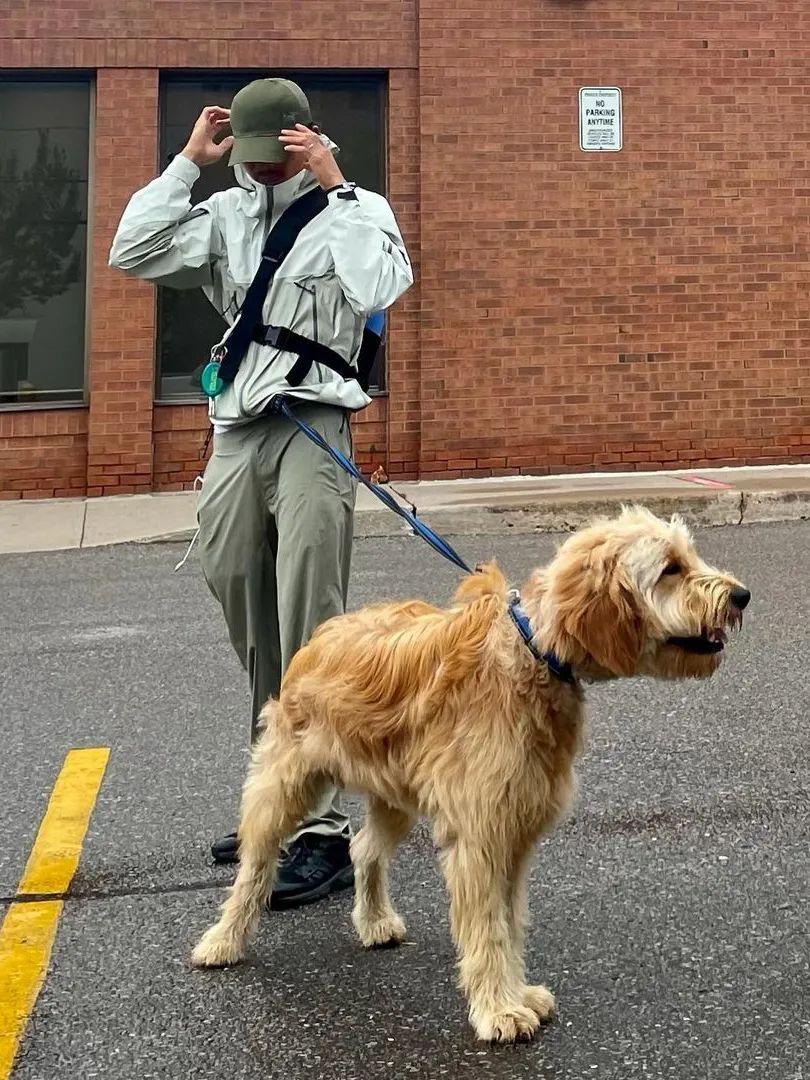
275,511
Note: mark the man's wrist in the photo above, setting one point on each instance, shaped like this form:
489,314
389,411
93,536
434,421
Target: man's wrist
195,159
329,183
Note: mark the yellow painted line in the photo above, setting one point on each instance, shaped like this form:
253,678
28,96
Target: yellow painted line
28,930
55,854
26,937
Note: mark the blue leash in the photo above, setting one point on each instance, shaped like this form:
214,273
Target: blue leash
280,405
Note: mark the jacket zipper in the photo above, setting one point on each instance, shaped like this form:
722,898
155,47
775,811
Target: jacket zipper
313,292
268,225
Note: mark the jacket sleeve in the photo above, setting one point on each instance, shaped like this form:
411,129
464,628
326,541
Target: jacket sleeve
368,251
162,238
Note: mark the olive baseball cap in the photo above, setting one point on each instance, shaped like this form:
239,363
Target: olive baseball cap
259,112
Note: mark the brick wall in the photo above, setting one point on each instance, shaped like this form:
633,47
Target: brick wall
613,311
122,311
575,311
123,443
43,454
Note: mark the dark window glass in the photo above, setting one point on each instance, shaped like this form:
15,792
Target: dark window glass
348,108
44,134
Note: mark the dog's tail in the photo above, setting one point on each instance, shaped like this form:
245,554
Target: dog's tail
486,581
455,649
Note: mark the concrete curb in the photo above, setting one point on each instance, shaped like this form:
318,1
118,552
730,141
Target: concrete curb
705,508
521,505
564,514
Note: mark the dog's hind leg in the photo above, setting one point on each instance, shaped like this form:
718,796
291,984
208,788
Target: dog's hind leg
279,792
481,918
374,918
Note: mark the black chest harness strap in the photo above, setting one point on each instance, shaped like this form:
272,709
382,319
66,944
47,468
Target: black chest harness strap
249,327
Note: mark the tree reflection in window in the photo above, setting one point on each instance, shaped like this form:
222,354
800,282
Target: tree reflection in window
43,222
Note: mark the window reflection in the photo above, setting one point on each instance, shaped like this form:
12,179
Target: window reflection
44,131
348,108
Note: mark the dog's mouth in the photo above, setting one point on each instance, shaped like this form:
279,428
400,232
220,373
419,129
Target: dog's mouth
710,639
703,644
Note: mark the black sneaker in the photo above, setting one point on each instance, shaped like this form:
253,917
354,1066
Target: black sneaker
226,849
314,867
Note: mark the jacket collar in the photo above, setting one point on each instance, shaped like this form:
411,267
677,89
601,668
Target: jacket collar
280,196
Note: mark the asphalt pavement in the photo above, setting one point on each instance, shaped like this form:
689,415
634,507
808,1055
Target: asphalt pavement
669,913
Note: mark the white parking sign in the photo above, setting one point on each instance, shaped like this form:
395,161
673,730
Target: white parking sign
600,118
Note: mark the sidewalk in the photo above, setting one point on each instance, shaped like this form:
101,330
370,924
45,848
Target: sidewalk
522,504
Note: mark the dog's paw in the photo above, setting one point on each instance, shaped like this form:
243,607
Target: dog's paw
540,1000
381,933
216,950
515,1023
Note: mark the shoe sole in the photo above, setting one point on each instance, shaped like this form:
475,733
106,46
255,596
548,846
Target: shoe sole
225,860
343,879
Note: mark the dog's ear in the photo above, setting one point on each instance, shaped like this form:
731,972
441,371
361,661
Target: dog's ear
594,611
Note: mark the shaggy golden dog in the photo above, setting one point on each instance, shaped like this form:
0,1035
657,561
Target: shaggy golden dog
447,713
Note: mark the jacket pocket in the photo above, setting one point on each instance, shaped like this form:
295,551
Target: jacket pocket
338,325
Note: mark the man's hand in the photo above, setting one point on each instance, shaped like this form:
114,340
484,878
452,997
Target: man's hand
318,158
201,148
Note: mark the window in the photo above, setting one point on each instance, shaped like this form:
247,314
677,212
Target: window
44,155
348,108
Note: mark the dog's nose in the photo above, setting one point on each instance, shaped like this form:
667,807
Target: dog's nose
740,597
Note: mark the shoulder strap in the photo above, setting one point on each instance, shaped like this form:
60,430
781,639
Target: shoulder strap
277,247
282,236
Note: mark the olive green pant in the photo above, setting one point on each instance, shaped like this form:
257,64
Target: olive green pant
275,516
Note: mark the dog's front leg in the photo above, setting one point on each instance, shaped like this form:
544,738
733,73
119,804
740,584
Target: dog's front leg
537,998
481,917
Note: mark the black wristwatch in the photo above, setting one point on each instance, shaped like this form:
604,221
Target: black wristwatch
344,190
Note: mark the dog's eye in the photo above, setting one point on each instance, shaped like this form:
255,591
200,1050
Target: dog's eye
671,568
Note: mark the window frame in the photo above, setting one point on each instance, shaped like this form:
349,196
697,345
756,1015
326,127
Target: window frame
172,76
87,78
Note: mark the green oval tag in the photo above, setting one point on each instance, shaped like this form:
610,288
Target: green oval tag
210,381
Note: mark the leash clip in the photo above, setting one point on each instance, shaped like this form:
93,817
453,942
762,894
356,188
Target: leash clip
276,405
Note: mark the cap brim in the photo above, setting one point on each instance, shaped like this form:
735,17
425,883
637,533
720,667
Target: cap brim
264,148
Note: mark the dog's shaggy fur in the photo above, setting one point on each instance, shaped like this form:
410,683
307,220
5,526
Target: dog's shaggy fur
446,713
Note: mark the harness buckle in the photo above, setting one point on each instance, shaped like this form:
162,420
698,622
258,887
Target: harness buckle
272,335
269,335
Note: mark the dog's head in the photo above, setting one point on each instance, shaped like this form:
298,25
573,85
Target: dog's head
631,596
